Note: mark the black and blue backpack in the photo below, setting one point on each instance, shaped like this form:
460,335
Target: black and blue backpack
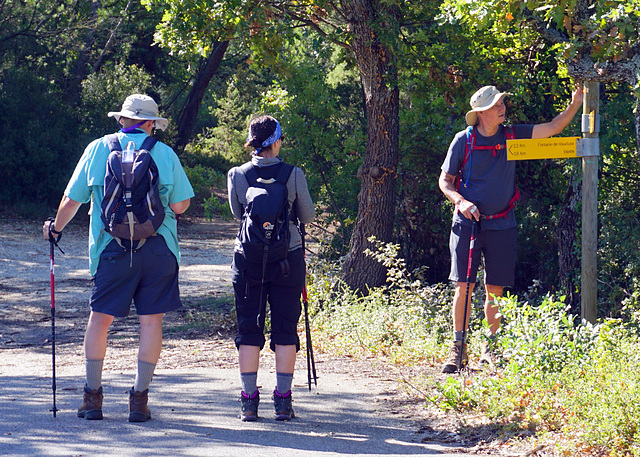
264,230
131,208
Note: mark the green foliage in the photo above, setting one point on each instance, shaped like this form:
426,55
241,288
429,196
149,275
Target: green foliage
577,381
606,29
404,321
105,91
217,207
317,104
204,178
38,141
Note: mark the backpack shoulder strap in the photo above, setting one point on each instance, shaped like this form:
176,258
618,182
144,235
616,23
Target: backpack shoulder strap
249,173
509,133
284,173
113,142
148,143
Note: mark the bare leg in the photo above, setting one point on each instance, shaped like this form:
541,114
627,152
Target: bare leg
491,309
150,338
458,305
248,358
285,358
95,337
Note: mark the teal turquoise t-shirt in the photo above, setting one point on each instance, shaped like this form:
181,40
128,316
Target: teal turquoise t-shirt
87,185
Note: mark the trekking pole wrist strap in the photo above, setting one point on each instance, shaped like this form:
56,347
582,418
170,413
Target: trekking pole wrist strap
52,227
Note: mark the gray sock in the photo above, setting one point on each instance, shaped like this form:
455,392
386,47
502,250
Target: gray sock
283,382
457,335
249,382
144,375
93,369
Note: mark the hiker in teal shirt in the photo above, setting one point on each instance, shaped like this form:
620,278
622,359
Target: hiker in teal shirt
146,275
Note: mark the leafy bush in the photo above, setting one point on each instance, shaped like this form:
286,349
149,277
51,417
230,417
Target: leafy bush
40,142
404,321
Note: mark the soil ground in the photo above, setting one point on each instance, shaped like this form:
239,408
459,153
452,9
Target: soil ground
198,335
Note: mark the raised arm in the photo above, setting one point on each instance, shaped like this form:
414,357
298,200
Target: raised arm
563,119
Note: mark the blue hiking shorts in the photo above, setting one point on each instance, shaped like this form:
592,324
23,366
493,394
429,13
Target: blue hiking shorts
496,247
149,278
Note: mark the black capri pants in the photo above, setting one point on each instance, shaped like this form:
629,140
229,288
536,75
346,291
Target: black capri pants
281,290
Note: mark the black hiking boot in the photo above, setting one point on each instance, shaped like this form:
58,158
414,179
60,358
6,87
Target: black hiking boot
91,407
452,363
138,409
249,406
282,404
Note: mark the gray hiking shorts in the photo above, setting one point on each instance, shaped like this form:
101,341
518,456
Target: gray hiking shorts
496,247
149,278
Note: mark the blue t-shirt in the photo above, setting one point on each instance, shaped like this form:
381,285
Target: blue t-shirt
489,177
87,185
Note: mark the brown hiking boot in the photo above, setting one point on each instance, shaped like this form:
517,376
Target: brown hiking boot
91,407
138,410
488,355
452,363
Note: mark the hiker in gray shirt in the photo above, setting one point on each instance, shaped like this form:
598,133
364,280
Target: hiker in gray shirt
261,276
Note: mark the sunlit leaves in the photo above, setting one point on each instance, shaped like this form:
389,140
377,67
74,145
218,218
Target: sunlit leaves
607,30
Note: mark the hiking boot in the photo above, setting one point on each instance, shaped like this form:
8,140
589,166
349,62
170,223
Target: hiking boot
138,410
282,403
488,354
249,406
91,407
452,363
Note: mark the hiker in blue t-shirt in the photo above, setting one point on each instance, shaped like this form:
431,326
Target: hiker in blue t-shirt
279,283
147,274
477,178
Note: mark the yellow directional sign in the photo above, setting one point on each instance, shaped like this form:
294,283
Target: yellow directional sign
543,148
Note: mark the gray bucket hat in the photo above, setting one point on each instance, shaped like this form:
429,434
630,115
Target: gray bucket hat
142,107
482,100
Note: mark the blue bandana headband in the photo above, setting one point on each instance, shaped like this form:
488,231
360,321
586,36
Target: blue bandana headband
275,136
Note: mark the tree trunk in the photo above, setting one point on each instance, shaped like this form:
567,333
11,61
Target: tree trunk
189,112
376,200
566,237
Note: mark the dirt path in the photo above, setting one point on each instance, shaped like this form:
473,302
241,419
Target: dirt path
25,300
197,337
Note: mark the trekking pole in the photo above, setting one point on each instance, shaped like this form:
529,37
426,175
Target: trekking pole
472,242
53,242
311,364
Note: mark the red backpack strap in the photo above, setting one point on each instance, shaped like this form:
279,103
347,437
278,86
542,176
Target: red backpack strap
512,204
508,132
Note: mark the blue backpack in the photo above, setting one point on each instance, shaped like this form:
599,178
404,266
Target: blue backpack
131,208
